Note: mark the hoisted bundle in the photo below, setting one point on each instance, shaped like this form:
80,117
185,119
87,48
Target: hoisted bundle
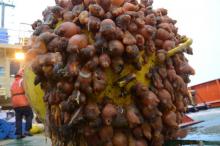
112,72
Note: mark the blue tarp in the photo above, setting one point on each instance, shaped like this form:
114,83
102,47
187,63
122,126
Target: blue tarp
7,129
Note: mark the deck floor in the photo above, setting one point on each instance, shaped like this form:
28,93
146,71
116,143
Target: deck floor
36,140
208,131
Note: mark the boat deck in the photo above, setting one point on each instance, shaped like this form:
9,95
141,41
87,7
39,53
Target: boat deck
202,134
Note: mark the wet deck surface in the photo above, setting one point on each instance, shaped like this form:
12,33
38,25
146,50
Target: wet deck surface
36,140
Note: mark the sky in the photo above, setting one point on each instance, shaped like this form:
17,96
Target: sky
197,19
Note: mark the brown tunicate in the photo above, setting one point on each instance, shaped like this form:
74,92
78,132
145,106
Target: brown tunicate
171,74
77,9
141,142
129,7
66,106
42,28
158,43
84,17
132,51
92,63
167,19
137,64
106,133
100,44
133,115
36,24
189,51
139,90
93,140
161,11
137,132
52,98
140,39
163,34
133,14
108,113
123,21
178,60
161,56
73,65
67,29
170,119
120,120
140,22
78,97
165,98
185,68
66,118
96,10
157,140
116,11
77,42
50,58
108,15
93,23
66,87
151,100
148,31
91,111
47,70
117,2
179,117
168,86
116,48
105,4
129,39
108,28
180,85
150,19
119,139
117,64
57,11
146,3
39,46
84,80
162,72
168,45
181,133
179,103
156,80
58,44
150,113
99,80
146,130
68,16
166,26
87,52
104,60
46,37
109,143
89,2
120,34
132,27
157,126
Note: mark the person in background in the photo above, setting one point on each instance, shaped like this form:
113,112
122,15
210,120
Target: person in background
21,106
